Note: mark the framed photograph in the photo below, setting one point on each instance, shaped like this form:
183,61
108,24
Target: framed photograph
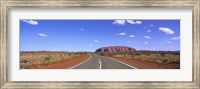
100,44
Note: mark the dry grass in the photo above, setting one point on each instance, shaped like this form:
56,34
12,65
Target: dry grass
45,57
167,57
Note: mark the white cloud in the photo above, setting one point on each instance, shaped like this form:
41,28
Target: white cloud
151,25
43,35
148,37
119,22
123,22
32,22
176,38
148,30
138,22
146,42
131,36
82,29
168,31
97,41
168,42
134,22
130,21
122,33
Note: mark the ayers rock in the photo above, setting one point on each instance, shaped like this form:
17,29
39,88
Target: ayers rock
116,49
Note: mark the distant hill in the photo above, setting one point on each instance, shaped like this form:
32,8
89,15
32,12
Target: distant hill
116,49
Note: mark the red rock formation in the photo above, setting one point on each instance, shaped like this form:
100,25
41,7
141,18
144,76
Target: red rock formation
116,49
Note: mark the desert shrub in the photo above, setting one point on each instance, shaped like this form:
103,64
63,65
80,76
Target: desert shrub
102,54
110,54
174,62
159,58
171,59
24,61
24,66
36,58
47,59
136,54
58,60
69,54
155,58
123,55
141,57
118,55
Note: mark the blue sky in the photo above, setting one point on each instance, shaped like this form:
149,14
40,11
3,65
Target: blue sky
88,35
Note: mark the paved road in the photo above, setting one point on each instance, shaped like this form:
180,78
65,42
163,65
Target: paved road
97,62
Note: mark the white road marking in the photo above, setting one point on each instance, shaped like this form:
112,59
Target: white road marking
80,63
100,64
123,63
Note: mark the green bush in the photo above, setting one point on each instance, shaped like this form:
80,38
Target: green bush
47,59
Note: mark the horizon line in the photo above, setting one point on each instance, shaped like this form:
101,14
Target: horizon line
84,51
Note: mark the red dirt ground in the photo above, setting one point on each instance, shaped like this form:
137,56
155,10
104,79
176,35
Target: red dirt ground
147,65
63,65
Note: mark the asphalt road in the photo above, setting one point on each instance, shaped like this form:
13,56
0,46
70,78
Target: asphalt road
97,62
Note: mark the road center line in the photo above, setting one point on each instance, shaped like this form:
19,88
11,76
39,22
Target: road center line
100,63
